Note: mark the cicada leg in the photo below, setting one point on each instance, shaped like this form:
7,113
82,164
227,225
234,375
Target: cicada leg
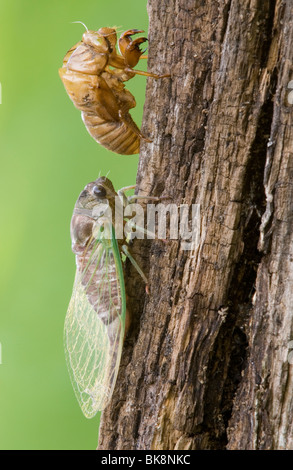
126,199
129,48
149,198
139,229
126,188
121,193
134,263
129,199
147,74
131,53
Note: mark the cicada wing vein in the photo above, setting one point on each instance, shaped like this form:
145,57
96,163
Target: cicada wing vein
94,327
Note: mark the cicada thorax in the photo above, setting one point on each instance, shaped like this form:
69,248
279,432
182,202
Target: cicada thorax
98,91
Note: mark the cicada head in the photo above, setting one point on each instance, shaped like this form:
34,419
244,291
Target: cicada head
103,41
95,201
110,36
95,193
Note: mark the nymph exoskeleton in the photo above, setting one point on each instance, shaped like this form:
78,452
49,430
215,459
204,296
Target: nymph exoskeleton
93,74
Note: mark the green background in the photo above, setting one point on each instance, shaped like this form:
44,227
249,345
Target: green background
47,157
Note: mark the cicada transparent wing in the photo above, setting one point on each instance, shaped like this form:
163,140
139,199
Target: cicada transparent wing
95,323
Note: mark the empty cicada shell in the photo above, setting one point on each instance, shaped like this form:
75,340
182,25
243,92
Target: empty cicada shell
93,73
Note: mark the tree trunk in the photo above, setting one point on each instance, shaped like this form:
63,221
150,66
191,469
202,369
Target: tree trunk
205,364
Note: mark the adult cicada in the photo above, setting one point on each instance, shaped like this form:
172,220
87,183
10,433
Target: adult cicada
93,74
97,319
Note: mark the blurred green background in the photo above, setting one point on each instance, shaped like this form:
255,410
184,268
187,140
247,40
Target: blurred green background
47,157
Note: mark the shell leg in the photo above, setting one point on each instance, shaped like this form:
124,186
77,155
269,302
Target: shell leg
130,49
147,74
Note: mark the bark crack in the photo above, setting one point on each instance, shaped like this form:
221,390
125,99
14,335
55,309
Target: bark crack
230,350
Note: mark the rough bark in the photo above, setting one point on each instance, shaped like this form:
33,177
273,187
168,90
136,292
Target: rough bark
205,362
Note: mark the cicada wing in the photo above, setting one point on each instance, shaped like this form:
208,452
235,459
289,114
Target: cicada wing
94,328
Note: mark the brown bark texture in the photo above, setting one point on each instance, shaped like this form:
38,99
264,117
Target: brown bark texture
205,364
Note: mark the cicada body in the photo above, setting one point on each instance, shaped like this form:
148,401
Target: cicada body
93,74
96,318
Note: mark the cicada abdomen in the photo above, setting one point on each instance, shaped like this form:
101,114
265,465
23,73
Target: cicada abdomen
93,74
95,321
113,126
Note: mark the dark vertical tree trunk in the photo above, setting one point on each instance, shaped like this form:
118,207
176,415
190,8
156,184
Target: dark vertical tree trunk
205,364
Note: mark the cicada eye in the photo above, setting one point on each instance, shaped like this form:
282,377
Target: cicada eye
99,191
